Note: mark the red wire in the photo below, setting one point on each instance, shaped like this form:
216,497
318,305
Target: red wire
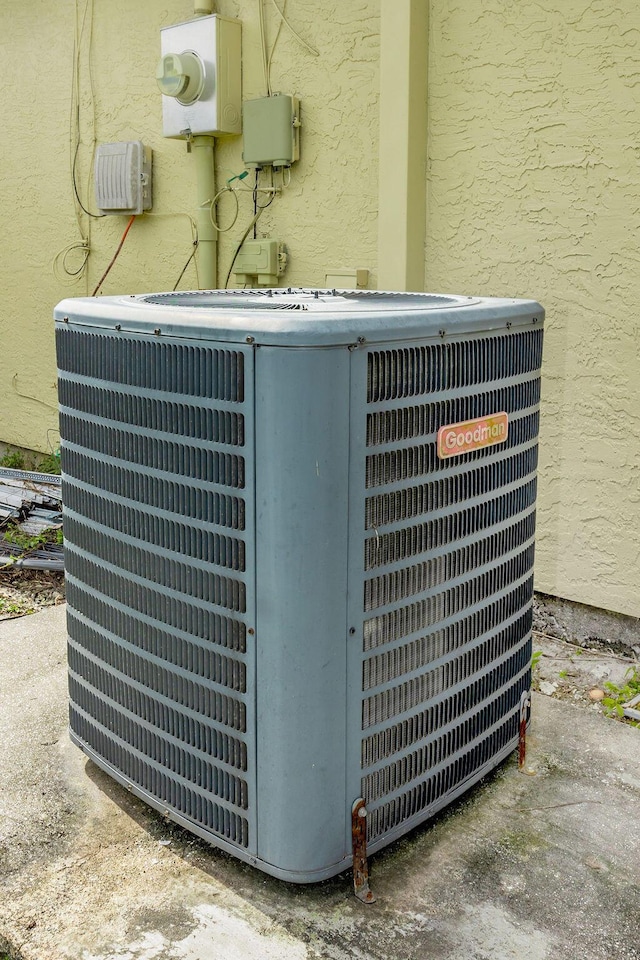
115,256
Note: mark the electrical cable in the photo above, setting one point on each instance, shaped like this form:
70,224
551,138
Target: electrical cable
258,210
255,201
212,203
184,269
256,190
312,50
74,117
115,256
29,396
61,270
75,113
273,47
272,190
263,45
194,240
96,216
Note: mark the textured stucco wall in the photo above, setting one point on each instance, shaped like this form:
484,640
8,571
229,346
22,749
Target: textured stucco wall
533,187
533,190
327,216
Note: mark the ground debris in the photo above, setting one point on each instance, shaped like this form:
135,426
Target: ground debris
30,520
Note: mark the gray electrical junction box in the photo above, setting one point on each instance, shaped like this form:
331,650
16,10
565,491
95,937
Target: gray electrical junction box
299,539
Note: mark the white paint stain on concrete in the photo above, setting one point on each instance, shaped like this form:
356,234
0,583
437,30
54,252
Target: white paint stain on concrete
218,935
222,936
486,931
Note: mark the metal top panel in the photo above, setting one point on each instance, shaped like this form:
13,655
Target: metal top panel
298,317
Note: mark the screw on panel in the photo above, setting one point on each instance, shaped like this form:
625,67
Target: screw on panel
65,319
362,340
250,339
508,324
359,839
352,630
157,331
118,326
442,332
534,320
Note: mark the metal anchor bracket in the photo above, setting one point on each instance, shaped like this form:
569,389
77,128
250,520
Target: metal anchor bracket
360,866
525,703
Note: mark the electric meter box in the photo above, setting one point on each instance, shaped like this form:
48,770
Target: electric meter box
213,104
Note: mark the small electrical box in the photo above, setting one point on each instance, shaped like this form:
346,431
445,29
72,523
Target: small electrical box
260,262
122,177
271,131
199,76
346,278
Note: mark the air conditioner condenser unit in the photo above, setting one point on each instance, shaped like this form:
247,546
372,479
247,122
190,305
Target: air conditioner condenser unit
299,532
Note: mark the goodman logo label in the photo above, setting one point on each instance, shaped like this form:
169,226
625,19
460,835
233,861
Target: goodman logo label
458,438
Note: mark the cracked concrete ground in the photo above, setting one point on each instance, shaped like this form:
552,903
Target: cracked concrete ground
542,864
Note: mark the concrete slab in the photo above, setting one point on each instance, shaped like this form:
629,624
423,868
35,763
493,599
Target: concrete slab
542,864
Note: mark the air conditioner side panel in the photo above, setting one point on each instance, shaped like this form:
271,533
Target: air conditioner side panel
157,459
302,448
440,570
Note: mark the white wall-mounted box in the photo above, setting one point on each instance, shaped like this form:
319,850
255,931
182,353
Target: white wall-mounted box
122,177
218,110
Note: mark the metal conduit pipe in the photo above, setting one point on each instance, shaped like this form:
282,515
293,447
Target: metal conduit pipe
202,148
32,564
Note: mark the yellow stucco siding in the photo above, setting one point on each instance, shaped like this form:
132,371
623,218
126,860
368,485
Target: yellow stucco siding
326,217
534,190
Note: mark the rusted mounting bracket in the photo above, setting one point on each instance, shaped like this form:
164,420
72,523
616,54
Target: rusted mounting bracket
525,704
360,865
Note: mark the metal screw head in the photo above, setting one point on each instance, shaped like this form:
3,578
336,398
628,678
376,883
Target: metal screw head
65,319
157,331
508,324
352,630
361,340
251,339
118,326
442,332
